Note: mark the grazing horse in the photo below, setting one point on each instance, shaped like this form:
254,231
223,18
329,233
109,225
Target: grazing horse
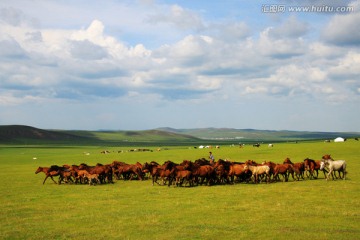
338,165
257,171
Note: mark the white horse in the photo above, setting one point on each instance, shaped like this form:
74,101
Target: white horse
338,165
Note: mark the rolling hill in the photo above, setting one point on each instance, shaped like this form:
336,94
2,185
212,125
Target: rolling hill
19,134
252,135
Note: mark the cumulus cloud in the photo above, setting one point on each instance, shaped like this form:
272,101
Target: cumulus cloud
343,28
16,17
88,62
280,47
86,50
347,67
178,16
11,49
290,28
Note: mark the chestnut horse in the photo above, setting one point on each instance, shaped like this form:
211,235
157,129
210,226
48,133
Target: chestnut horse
299,168
53,171
285,170
48,173
203,172
238,171
312,166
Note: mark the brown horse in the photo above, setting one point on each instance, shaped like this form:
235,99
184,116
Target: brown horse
238,171
183,175
222,169
203,172
48,173
202,161
152,168
128,171
312,167
299,168
53,171
92,178
285,170
327,157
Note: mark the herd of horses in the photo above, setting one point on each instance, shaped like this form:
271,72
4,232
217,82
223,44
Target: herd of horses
198,172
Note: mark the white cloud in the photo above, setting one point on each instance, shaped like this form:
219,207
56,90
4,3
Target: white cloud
178,16
280,47
291,28
348,66
193,61
344,29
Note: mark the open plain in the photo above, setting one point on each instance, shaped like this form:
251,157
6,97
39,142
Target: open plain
316,209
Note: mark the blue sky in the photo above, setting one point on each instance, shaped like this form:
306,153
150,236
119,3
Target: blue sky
182,64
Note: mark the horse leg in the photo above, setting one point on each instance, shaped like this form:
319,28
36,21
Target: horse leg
274,177
317,173
60,180
256,178
45,178
153,179
328,176
292,174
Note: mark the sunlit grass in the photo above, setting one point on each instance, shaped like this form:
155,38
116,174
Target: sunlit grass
315,209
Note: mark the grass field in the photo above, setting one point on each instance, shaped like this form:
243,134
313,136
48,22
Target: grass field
314,209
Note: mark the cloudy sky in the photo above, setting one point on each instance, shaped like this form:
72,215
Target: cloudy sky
114,64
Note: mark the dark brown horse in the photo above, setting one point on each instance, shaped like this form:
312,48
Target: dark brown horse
222,169
299,168
285,170
204,173
312,168
127,171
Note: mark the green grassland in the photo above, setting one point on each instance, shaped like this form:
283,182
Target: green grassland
316,209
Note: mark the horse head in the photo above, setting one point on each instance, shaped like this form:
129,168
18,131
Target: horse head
40,169
327,157
287,160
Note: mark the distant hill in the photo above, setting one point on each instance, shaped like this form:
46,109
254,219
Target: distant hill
19,134
257,135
